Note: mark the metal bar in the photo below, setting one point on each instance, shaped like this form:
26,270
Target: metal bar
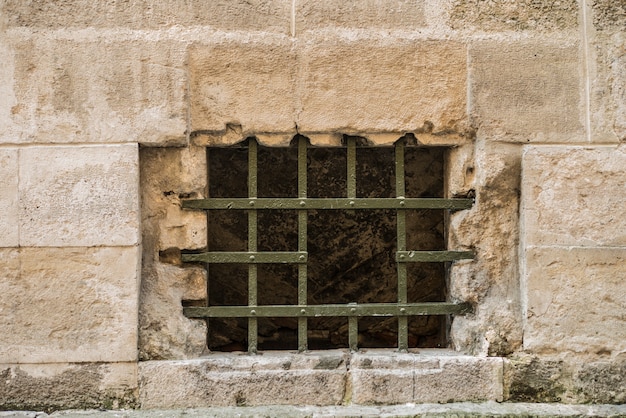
353,333
403,324
249,257
351,164
327,203
252,245
348,310
302,242
432,256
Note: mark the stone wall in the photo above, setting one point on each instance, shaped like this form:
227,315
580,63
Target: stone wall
105,110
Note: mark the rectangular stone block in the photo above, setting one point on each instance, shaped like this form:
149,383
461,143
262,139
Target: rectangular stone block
235,380
94,89
575,300
9,221
609,15
251,84
574,196
265,15
526,91
383,85
79,195
69,305
361,14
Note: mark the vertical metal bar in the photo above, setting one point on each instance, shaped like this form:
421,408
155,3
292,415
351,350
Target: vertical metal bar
353,333
302,243
252,244
403,334
353,321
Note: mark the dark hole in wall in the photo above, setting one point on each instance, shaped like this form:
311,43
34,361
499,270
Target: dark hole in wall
351,253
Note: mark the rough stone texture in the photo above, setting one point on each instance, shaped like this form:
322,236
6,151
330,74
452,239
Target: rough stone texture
602,381
491,281
574,196
573,302
266,15
526,91
9,221
531,379
167,175
69,305
220,380
362,14
505,15
95,90
388,378
381,85
48,387
249,84
609,14
79,195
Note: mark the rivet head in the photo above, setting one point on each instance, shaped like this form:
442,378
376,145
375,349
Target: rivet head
302,203
352,203
301,257
403,310
252,257
402,256
352,309
303,311
251,203
402,203
252,312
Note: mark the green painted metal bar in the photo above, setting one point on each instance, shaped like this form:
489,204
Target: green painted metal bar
348,310
432,256
250,257
327,204
302,242
353,333
351,164
252,244
403,324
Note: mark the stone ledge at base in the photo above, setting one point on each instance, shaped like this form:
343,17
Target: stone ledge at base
319,378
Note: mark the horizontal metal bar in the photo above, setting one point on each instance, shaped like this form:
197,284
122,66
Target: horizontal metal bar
335,203
432,256
292,311
248,257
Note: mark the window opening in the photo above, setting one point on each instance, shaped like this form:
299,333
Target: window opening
289,228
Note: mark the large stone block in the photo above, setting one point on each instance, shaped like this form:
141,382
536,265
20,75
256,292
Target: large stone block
381,85
251,84
95,89
574,300
49,387
574,196
79,195
236,380
9,221
362,14
69,305
609,15
526,91
265,15
503,15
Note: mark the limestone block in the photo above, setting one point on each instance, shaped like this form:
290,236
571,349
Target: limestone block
39,387
574,300
526,91
251,84
221,380
502,15
265,15
602,381
574,196
9,236
357,85
428,376
93,89
69,305
79,195
362,14
609,15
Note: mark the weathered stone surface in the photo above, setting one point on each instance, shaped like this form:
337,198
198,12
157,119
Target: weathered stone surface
381,85
69,305
573,302
526,91
362,14
266,15
574,196
490,229
388,378
251,84
79,196
96,90
9,221
533,379
48,387
505,15
220,380
602,381
609,14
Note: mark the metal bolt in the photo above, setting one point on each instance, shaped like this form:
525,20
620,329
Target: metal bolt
401,256
251,258
302,203
352,309
302,311
352,203
301,257
402,203
252,312
402,310
251,203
